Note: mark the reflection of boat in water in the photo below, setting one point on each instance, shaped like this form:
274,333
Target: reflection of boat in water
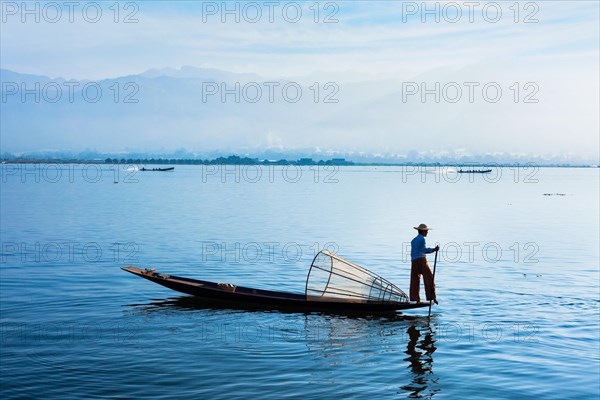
332,284
325,340
157,169
474,171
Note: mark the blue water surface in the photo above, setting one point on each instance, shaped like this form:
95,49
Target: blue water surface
517,279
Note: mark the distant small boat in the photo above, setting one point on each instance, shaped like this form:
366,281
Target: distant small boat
474,171
157,169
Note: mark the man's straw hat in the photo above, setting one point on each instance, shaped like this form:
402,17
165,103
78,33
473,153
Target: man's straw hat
422,227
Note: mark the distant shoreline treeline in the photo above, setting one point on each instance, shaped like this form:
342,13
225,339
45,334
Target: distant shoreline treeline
237,160
231,160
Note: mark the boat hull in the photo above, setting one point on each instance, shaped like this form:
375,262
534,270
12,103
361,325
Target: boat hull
244,297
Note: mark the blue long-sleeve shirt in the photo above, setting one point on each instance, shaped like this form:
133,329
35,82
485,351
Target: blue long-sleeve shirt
418,248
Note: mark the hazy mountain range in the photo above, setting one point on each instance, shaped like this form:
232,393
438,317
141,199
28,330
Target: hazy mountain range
169,111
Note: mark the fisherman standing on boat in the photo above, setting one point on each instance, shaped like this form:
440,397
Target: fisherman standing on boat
419,266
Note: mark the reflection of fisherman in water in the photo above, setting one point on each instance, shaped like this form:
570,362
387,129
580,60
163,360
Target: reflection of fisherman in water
420,362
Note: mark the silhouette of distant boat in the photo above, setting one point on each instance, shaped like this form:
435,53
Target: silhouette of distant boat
157,169
474,171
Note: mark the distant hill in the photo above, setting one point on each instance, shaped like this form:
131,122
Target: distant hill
207,110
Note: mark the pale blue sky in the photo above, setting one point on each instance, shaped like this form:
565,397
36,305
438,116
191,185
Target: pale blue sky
371,40
370,37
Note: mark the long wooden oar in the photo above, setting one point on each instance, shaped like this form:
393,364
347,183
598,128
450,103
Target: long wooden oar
433,282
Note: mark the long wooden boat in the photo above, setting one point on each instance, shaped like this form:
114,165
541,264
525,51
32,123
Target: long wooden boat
345,289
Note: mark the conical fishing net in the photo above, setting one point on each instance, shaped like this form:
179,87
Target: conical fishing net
331,278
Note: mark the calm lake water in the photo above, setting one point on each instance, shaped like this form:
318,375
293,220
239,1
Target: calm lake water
517,277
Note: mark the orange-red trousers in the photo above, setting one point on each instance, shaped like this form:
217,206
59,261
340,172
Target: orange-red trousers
420,267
